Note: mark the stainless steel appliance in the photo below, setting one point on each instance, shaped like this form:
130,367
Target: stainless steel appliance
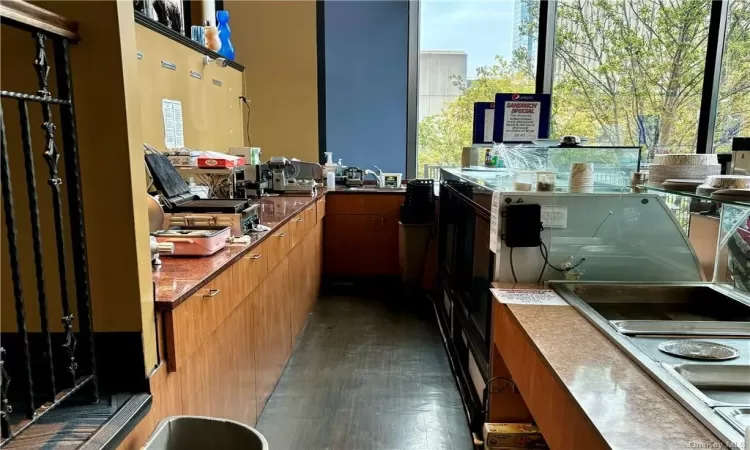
355,177
253,180
284,175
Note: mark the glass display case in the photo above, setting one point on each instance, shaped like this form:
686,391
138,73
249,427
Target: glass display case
732,264
612,233
612,166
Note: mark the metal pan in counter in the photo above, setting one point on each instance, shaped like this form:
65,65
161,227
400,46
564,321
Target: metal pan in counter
739,418
681,328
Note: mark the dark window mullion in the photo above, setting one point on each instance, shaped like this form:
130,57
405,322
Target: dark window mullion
712,76
545,61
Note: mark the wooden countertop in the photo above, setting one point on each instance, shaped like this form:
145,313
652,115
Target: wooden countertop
619,405
180,277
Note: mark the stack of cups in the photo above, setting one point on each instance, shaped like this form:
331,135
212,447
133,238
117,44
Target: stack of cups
581,177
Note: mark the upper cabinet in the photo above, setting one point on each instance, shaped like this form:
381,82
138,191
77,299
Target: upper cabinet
212,111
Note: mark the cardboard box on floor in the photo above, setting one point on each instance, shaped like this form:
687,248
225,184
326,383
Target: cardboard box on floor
500,436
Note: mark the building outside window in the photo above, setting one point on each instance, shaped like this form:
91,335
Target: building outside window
733,117
469,51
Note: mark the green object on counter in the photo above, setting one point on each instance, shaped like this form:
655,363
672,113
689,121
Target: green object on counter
492,158
255,155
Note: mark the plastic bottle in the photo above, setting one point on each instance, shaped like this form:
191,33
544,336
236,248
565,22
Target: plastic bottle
340,168
329,166
222,23
331,180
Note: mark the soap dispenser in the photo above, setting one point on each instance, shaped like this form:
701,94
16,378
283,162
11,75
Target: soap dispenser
340,168
329,166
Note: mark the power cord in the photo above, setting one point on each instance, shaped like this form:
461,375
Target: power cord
488,389
512,269
508,382
545,255
247,103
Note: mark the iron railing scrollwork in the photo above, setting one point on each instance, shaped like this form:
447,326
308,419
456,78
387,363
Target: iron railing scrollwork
34,353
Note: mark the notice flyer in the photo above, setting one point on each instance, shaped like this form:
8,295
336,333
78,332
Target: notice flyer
521,117
521,121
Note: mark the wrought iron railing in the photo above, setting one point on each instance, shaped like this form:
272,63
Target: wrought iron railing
33,380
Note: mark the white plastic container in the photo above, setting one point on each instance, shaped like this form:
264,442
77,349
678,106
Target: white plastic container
524,180
581,177
331,180
545,181
392,180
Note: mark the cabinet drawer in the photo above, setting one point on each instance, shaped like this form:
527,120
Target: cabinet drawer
276,246
252,268
190,323
320,207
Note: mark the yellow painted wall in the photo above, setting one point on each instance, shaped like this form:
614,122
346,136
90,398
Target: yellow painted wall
212,114
276,42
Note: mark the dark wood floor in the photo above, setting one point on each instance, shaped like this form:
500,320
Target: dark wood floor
366,374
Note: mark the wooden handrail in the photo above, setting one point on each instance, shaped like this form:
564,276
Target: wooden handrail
38,18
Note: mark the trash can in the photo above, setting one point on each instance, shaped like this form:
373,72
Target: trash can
203,433
413,242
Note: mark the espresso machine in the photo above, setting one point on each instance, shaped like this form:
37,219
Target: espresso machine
278,175
287,176
252,181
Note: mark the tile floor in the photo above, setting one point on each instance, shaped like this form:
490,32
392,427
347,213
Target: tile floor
366,374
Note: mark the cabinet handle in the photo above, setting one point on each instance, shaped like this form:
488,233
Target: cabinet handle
299,219
381,222
255,256
212,293
280,234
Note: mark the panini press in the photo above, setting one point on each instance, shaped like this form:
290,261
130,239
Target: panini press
186,209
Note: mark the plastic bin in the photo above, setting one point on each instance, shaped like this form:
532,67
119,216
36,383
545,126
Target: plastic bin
203,433
413,242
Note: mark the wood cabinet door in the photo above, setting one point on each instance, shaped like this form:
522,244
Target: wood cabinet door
272,334
191,323
351,244
297,285
320,207
387,261
219,379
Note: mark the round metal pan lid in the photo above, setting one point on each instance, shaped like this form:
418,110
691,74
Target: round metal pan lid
694,349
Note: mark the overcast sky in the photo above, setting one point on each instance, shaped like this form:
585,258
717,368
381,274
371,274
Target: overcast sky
481,28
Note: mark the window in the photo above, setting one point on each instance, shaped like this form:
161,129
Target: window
630,72
469,51
733,117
